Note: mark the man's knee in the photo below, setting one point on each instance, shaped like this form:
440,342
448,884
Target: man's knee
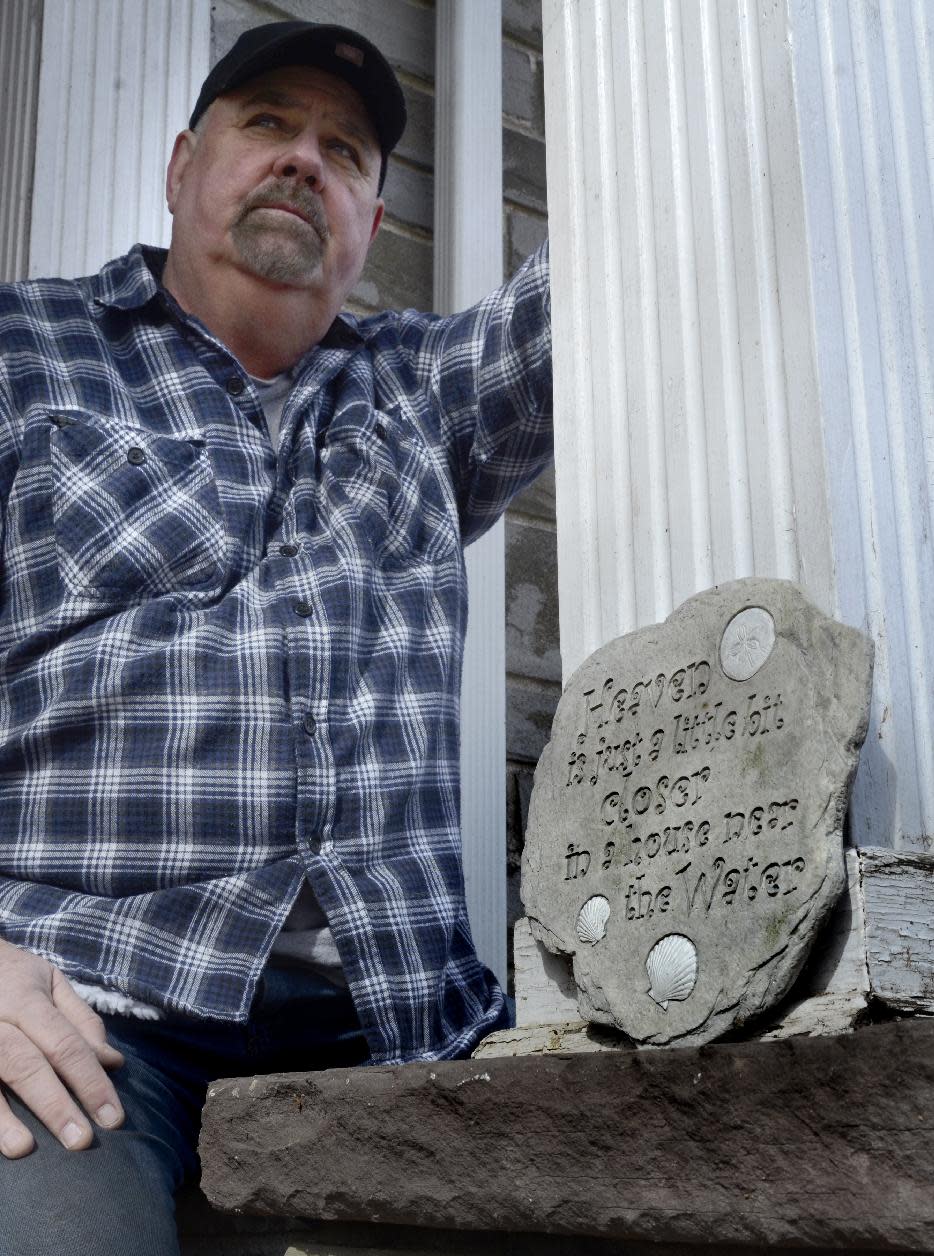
110,1199
116,1198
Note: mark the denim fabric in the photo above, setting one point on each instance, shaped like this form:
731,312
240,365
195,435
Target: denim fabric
117,1197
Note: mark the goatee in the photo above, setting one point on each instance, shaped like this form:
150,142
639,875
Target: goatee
289,250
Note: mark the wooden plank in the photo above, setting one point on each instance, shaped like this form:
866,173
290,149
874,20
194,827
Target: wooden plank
898,901
545,989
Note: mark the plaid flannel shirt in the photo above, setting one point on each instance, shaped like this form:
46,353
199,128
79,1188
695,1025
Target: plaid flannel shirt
222,670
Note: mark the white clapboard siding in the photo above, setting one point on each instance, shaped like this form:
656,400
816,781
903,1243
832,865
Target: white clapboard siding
468,265
118,80
742,230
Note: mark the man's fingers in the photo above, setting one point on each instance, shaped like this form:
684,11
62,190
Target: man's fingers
66,1057
15,1138
51,1043
25,1070
85,1020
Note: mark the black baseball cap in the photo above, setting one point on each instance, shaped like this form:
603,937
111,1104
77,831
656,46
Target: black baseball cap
333,48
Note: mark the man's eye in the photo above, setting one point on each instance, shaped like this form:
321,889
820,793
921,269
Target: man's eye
343,149
267,120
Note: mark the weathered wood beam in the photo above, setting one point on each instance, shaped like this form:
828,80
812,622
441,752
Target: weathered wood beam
815,1142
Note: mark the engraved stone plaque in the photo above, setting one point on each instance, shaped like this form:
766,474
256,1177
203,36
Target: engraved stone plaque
685,835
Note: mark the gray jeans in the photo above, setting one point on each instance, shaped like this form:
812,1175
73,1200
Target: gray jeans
117,1197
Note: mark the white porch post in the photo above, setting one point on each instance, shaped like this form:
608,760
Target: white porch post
117,81
20,37
742,210
468,265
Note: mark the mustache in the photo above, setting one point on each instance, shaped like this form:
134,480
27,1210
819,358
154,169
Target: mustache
296,196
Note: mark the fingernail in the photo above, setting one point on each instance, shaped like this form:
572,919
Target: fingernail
16,1143
72,1134
107,1115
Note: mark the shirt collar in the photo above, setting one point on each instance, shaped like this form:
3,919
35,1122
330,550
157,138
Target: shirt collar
132,281
341,335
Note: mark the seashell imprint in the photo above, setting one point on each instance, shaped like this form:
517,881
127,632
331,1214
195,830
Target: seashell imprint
672,969
747,641
592,918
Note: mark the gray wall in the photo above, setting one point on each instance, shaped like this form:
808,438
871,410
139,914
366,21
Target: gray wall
533,665
399,274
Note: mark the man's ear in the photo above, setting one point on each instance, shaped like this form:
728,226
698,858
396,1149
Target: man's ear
182,152
377,219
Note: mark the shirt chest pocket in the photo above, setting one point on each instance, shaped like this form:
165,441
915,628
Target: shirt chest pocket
135,514
398,488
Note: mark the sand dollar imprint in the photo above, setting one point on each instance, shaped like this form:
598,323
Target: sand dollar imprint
747,641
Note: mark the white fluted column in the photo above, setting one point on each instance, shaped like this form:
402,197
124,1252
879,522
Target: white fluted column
742,227
20,37
118,79
468,265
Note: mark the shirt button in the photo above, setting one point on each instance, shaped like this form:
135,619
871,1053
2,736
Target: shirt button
136,456
302,608
288,550
309,723
235,386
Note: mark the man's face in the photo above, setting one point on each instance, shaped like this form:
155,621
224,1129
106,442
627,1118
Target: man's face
280,181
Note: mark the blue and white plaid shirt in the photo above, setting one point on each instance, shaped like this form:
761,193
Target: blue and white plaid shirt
221,670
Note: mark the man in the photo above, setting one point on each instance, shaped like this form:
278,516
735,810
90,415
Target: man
231,624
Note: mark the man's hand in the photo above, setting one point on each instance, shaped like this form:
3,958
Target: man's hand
51,1043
